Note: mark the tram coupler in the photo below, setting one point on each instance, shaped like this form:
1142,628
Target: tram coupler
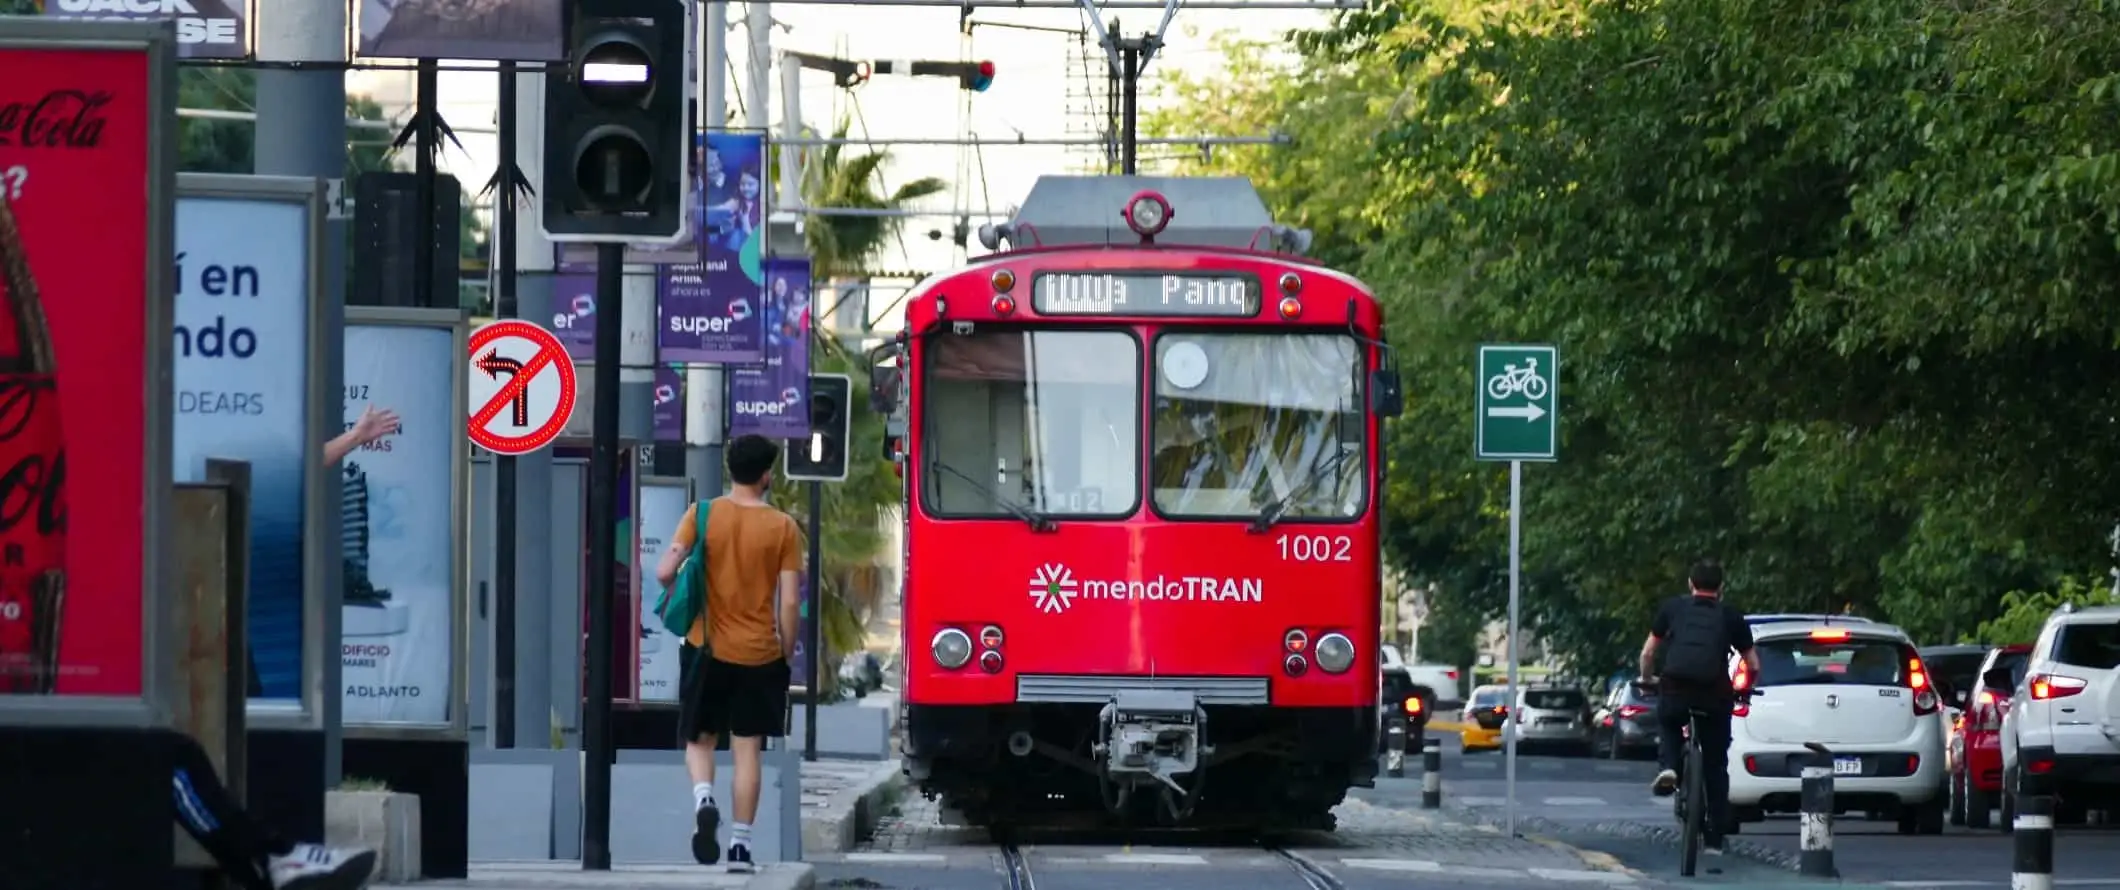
1151,736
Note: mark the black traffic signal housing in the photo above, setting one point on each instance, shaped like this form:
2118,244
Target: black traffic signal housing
617,125
974,76
823,458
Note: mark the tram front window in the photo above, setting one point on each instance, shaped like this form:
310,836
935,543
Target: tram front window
1243,421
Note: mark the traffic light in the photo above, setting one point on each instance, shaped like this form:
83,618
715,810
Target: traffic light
978,77
824,457
616,125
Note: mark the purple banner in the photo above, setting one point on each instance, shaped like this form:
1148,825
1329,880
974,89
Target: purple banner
669,403
574,309
772,400
709,311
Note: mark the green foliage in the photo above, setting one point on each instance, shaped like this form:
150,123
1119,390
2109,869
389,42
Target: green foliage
2025,612
1831,283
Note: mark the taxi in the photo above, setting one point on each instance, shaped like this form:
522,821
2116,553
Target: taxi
1485,713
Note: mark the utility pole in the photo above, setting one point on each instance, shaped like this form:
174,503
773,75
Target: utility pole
705,385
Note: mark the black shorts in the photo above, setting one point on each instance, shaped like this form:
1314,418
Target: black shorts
732,699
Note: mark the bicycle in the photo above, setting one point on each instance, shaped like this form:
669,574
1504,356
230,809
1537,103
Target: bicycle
1514,380
1691,802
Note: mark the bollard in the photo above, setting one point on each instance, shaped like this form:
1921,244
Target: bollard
2033,868
1432,774
1395,751
1815,839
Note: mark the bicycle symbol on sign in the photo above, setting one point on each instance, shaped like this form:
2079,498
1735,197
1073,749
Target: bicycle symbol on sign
1515,380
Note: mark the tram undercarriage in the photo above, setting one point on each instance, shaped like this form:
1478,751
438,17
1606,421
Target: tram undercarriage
1145,758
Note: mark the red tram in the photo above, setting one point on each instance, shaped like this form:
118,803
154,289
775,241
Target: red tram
1143,468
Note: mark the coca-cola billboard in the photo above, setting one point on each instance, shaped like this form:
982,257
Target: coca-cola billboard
84,366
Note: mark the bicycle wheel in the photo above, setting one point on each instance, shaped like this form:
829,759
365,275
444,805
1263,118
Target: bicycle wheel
1694,787
1500,386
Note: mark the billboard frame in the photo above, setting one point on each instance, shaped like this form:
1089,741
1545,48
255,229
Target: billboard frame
159,635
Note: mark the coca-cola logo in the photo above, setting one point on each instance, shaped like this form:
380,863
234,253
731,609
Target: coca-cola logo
62,118
31,482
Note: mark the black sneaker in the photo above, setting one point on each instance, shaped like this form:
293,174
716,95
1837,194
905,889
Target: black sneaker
740,859
1665,784
705,847
1712,848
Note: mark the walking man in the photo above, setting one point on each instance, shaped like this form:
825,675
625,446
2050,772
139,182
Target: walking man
738,652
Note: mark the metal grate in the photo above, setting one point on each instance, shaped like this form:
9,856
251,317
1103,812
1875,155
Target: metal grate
1093,688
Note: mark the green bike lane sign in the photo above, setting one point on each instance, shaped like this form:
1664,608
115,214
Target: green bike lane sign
1518,415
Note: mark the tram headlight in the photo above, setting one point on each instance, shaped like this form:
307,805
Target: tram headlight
951,647
1335,653
1147,213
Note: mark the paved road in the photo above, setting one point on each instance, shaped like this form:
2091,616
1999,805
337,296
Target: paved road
1591,796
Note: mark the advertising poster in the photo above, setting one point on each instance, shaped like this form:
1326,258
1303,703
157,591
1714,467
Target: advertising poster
494,30
242,379
662,504
626,636
76,354
669,403
771,400
574,308
206,29
398,531
709,311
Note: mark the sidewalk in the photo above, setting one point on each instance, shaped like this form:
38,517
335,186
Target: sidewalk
569,876
842,800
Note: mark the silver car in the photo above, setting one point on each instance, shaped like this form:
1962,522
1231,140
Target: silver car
1553,717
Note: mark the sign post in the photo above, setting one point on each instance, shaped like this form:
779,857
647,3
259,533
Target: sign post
1518,419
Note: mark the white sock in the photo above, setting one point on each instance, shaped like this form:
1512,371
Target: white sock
702,795
739,833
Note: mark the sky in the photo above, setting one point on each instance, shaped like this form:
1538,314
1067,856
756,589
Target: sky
1035,73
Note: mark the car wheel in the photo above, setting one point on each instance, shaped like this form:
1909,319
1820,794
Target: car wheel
1957,814
1979,808
2009,801
1929,818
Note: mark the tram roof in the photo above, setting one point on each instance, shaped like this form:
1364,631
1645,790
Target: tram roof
1084,211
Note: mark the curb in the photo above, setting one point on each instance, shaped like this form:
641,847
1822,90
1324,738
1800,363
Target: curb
839,827
787,876
1734,846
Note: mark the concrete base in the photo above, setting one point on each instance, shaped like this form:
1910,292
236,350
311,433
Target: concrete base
383,821
842,800
526,806
570,876
847,730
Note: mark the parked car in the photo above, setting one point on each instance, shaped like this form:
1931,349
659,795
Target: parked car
1625,725
1954,669
1484,713
1406,704
2061,734
1858,688
1442,678
1552,717
1975,753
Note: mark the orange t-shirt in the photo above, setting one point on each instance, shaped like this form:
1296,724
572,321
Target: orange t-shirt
747,549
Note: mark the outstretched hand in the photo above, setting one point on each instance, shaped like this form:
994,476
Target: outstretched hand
374,424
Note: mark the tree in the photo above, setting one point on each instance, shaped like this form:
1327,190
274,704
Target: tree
1829,282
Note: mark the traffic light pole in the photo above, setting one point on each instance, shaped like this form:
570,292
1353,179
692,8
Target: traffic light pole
502,733
603,548
816,629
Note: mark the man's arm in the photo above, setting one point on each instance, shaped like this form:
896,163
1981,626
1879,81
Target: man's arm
340,446
1648,661
673,556
1659,628
1741,640
791,553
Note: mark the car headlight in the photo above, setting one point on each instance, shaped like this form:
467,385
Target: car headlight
952,648
1335,653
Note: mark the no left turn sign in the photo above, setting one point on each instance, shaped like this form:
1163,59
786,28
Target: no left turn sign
522,387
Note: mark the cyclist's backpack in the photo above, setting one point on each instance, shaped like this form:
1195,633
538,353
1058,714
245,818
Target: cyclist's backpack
1698,650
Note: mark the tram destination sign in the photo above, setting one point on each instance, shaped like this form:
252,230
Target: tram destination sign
1223,295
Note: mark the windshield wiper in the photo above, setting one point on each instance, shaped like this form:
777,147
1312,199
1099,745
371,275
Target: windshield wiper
1274,511
1039,522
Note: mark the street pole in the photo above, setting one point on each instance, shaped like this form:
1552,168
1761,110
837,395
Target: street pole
1129,100
1516,563
502,732
704,383
603,547
813,663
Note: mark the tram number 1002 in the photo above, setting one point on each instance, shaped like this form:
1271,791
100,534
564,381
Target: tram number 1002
1316,548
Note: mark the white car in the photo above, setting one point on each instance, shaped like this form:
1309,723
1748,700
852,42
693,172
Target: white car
1859,689
2061,734
1449,690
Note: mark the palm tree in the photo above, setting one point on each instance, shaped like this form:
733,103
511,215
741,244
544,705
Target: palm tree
841,247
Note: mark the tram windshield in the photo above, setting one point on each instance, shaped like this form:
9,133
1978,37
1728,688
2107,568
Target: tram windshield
1047,421
1244,421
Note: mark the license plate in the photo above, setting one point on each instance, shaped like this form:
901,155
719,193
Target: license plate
1553,721
1847,766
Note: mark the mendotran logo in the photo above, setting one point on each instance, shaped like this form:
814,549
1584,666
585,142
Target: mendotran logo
1054,589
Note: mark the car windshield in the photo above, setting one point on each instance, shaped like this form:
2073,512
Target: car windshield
1954,670
2017,663
2085,645
1487,698
1046,421
1243,421
1554,699
1796,661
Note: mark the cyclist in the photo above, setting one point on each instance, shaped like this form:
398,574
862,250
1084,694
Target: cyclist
1693,636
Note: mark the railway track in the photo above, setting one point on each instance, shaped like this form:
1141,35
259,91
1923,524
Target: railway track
1016,867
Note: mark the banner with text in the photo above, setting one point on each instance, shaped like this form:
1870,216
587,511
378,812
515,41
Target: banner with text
709,311
242,381
399,616
495,30
772,400
206,29
82,335
662,504
669,403
574,308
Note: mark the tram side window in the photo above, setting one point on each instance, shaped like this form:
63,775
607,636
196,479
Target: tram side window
1042,420
1244,420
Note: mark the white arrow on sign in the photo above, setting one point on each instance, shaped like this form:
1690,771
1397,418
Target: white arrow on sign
1527,412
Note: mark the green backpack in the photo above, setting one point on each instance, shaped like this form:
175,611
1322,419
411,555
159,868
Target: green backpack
684,601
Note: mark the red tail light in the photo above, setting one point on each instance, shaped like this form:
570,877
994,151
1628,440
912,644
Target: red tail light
1452,673
1413,705
2052,686
1926,701
1632,710
990,661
